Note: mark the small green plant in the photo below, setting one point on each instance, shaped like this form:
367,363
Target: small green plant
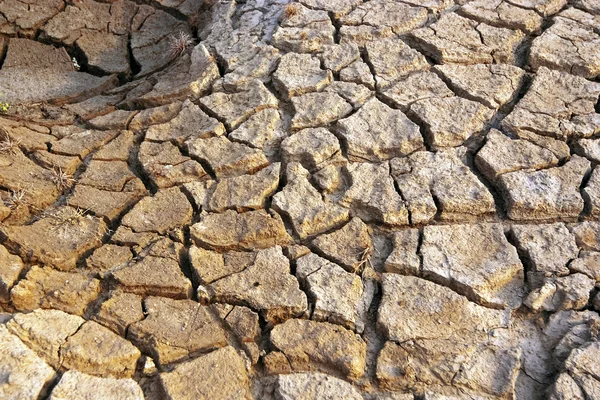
4,107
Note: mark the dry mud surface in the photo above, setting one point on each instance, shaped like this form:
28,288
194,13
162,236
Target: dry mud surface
324,199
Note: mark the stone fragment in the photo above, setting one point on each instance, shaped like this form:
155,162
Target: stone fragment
378,133
316,385
372,196
265,285
251,230
98,351
318,346
311,148
504,14
298,74
501,155
568,45
338,56
75,385
48,288
318,109
493,85
450,121
444,176
245,192
336,294
120,311
227,158
219,375
404,259
236,106
358,72
166,210
176,329
313,215
392,59
10,269
547,194
588,148
349,246
304,30
190,123
588,263
491,276
29,375
558,105
548,249
591,193
400,17
45,332
415,87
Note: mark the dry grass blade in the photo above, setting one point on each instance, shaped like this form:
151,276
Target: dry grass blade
61,179
16,199
7,144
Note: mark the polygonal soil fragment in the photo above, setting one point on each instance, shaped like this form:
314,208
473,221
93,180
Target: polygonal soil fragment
98,351
303,30
190,123
304,345
417,86
120,311
262,130
227,158
404,259
558,105
299,74
209,266
492,85
318,109
349,246
29,375
591,193
311,148
176,329
391,59
313,215
74,384
47,288
220,375
168,209
450,121
336,294
105,203
316,385
570,292
26,18
455,39
358,72
245,192
503,13
400,17
57,239
568,45
240,231
441,182
588,148
156,273
265,285
10,269
45,332
587,235
166,166
547,194
235,106
492,276
105,52
378,133
548,249
502,154
336,57
440,335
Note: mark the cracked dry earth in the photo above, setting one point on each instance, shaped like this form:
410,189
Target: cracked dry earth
325,199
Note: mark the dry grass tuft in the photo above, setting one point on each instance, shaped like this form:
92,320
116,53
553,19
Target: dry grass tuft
179,43
16,199
7,144
61,179
291,10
